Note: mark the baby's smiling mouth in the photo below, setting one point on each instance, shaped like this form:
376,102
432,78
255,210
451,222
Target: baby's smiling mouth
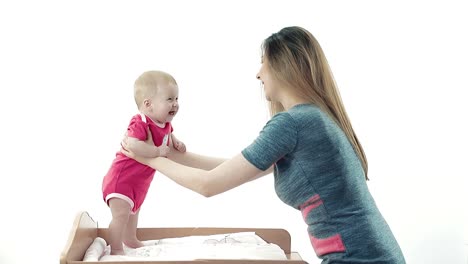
172,113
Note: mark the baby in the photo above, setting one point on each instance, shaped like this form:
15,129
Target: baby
125,186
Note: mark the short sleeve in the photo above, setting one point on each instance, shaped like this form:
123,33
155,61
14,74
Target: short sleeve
278,138
137,128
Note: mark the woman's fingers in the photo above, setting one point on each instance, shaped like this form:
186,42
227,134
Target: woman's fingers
127,153
133,156
124,142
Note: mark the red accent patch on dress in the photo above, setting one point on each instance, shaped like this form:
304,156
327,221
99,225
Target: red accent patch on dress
323,246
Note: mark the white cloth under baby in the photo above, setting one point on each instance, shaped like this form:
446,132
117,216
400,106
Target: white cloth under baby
96,250
244,245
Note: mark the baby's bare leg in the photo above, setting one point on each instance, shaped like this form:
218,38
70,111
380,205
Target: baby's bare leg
120,214
130,239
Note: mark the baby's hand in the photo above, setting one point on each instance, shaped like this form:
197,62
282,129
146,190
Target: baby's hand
180,146
164,151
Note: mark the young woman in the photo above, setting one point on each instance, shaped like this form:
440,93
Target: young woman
319,165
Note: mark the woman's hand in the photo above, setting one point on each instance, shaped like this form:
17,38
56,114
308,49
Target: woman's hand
127,144
141,151
164,151
132,155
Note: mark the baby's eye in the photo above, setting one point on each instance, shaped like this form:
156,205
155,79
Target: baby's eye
177,99
169,99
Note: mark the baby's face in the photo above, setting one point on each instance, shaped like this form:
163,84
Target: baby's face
164,105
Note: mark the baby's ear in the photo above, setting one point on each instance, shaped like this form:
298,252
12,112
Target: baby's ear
147,102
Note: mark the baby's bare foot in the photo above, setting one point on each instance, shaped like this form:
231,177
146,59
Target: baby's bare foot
117,251
133,243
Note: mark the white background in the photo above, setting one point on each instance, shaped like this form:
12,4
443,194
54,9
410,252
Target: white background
66,76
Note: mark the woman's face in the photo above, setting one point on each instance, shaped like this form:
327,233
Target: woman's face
268,82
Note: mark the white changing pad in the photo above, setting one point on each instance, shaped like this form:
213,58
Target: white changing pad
244,245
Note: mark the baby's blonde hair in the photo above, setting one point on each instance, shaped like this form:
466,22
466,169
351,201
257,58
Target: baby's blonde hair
147,84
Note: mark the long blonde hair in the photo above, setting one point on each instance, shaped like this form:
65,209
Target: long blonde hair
297,60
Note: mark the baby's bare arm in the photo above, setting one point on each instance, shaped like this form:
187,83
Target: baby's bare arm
178,145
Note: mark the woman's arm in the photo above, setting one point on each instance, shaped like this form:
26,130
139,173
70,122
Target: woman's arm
185,158
194,160
226,176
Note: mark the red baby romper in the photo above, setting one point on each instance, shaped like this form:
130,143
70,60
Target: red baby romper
128,179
